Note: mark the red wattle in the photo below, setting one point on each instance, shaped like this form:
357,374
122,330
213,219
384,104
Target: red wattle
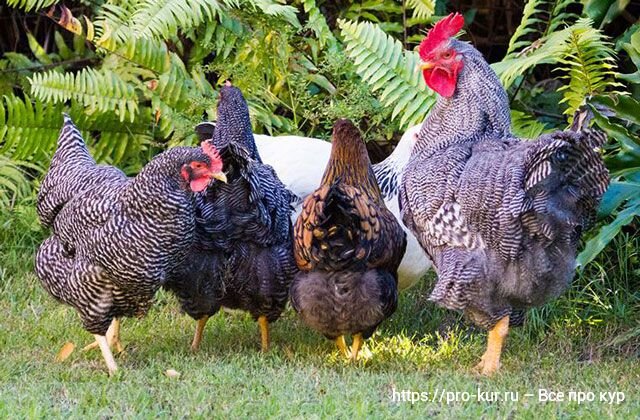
442,82
199,184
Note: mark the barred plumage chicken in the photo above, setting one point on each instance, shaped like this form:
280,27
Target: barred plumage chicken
243,257
500,217
348,247
114,239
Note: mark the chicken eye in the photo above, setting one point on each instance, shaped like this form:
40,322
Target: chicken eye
446,55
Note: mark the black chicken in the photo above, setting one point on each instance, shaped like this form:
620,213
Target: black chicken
243,256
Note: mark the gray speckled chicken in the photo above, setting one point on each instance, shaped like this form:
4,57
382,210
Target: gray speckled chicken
115,239
500,217
243,256
348,247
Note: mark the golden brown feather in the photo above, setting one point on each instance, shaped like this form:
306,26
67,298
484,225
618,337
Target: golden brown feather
347,244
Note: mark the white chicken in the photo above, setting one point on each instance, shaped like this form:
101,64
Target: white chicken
300,163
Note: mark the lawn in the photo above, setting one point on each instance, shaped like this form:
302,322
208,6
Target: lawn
570,345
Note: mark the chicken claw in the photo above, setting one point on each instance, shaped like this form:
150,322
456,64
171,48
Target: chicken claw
490,361
106,353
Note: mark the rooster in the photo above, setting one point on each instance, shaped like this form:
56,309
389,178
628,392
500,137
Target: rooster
499,217
348,247
300,163
114,239
243,257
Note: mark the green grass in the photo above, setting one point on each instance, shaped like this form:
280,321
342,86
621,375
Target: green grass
587,341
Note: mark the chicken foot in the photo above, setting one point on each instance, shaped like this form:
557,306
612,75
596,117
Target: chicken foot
197,338
112,337
264,332
342,345
490,361
356,346
103,343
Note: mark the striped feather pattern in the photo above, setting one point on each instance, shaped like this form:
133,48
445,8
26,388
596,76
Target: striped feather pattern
114,240
499,217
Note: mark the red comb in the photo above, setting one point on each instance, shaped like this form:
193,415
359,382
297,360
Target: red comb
211,151
442,31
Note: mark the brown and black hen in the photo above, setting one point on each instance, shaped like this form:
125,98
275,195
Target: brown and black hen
348,246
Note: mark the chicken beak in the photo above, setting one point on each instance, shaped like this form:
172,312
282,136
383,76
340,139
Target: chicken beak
220,176
425,65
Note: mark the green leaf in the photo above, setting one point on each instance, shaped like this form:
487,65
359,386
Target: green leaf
617,193
377,56
624,107
29,5
99,91
163,18
597,243
603,12
422,9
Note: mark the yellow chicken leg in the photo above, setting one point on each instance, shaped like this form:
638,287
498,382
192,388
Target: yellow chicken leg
356,346
197,338
264,332
115,336
490,361
112,337
342,345
106,353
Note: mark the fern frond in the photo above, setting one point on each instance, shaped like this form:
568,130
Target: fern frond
99,91
318,24
28,129
177,97
13,182
112,142
29,5
284,12
528,25
545,51
381,62
422,9
540,18
163,18
561,16
589,65
526,126
112,25
147,53
218,37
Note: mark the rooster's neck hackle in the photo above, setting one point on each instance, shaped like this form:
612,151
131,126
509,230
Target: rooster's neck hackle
478,108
